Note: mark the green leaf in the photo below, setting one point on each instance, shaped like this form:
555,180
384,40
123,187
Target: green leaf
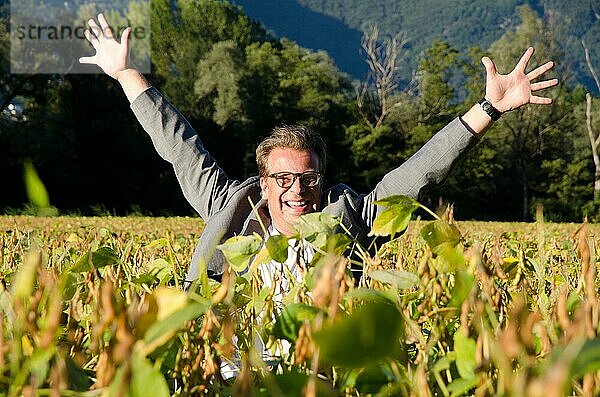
158,243
461,386
396,217
294,384
161,269
257,302
588,359
371,379
379,380
397,199
145,278
316,227
444,362
68,285
398,279
573,301
102,257
465,349
115,389
146,379
238,250
443,239
290,320
39,362
537,267
22,286
36,191
462,288
509,263
175,321
394,389
369,335
78,378
370,295
310,276
278,247
439,233
335,245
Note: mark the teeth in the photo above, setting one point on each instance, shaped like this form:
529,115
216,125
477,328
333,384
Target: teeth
296,203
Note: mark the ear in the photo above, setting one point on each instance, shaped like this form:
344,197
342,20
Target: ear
264,188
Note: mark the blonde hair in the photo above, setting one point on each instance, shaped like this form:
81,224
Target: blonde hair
297,137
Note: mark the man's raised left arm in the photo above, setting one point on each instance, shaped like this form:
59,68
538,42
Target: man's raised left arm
431,164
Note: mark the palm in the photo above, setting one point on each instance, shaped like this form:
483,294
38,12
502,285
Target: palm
111,56
513,90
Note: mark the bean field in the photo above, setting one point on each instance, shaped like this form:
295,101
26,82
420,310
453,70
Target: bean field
99,306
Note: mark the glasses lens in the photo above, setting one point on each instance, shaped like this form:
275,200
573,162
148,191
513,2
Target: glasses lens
309,179
285,179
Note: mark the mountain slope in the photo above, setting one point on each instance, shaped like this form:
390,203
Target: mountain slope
336,26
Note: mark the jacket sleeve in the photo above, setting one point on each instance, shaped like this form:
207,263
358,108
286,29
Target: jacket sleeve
204,184
429,166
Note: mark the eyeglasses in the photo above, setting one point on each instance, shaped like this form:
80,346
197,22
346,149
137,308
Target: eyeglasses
287,179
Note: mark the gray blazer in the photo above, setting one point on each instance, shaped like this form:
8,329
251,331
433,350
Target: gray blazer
224,203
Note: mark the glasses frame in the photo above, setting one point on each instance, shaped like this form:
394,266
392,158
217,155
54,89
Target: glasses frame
295,175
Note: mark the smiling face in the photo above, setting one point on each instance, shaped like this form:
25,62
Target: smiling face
287,204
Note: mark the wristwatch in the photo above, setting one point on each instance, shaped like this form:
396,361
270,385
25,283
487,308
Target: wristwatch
490,109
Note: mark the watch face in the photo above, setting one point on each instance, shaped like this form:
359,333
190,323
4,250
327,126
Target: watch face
490,110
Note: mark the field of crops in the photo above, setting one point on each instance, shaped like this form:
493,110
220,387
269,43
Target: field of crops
97,306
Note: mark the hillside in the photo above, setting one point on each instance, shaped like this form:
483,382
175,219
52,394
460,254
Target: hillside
337,25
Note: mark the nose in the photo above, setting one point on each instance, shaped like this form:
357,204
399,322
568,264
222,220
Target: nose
297,185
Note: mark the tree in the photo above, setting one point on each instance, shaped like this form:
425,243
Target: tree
244,81
395,124
435,104
22,96
528,137
220,74
13,85
373,143
375,99
594,137
530,157
231,79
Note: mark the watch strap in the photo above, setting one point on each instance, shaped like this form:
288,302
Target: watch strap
491,111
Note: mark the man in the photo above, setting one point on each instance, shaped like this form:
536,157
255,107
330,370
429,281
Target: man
292,160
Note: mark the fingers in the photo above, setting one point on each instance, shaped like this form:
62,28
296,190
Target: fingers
99,31
125,36
538,100
544,84
91,38
490,68
540,70
94,32
89,60
105,27
524,60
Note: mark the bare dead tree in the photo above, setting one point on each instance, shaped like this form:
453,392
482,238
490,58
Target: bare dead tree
593,136
586,52
594,142
594,10
382,59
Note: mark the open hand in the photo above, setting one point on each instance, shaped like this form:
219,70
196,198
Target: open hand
511,91
111,56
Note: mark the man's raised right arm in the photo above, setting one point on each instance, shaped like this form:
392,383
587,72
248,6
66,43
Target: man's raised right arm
204,184
113,57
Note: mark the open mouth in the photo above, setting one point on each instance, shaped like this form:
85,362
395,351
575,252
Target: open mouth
297,206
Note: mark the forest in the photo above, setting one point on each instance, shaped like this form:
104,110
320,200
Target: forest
461,23
234,81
